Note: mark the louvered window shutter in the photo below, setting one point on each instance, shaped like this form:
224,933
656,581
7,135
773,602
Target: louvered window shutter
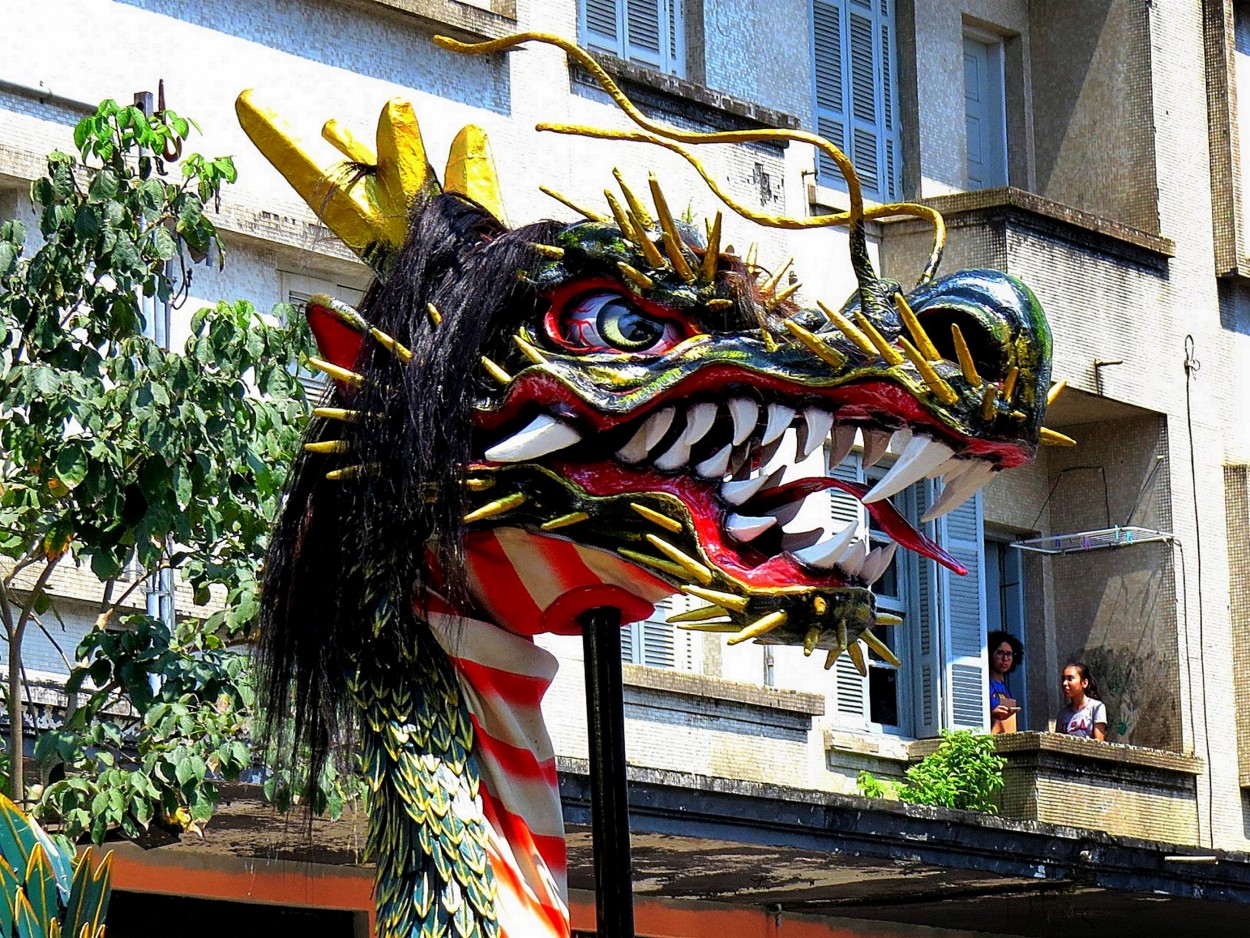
961,609
925,668
852,689
856,91
643,25
601,25
657,644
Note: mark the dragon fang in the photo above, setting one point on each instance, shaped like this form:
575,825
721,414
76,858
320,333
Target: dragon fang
528,423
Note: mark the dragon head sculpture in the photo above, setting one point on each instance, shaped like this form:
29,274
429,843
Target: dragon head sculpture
625,384
626,380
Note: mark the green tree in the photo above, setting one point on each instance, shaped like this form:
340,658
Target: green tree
115,451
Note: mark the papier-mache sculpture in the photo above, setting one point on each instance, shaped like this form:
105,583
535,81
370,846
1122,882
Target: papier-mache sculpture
529,423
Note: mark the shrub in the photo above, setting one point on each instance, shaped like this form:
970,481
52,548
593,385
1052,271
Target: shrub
964,772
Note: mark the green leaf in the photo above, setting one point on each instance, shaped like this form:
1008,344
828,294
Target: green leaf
26,922
103,186
164,245
41,887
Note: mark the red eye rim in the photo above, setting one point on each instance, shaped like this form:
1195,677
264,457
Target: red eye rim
559,299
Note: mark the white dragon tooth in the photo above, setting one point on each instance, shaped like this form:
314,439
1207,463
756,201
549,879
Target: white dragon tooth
816,426
921,455
954,464
825,555
675,457
738,493
877,563
745,412
876,443
853,558
716,465
787,513
840,443
636,449
699,420
746,528
959,490
779,417
544,434
657,425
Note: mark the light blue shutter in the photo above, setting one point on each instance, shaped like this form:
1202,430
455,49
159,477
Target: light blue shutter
600,25
853,63
926,670
962,619
643,42
830,94
676,63
851,688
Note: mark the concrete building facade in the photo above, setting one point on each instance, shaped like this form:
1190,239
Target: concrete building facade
1093,148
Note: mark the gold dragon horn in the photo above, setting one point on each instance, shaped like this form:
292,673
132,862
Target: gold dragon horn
471,171
365,204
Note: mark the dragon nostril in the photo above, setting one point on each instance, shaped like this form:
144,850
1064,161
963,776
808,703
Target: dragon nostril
988,352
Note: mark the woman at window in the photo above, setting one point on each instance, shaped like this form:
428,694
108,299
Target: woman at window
1006,653
1083,716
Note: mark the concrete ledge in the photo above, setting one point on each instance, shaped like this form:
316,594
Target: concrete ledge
1123,790
684,684
1046,217
649,88
465,21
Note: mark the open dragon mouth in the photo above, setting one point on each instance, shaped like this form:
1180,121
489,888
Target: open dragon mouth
726,478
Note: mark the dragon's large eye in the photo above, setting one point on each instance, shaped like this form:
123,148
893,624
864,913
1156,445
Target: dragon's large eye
606,321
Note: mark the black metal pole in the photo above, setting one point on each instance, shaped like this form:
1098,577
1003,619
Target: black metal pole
605,722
